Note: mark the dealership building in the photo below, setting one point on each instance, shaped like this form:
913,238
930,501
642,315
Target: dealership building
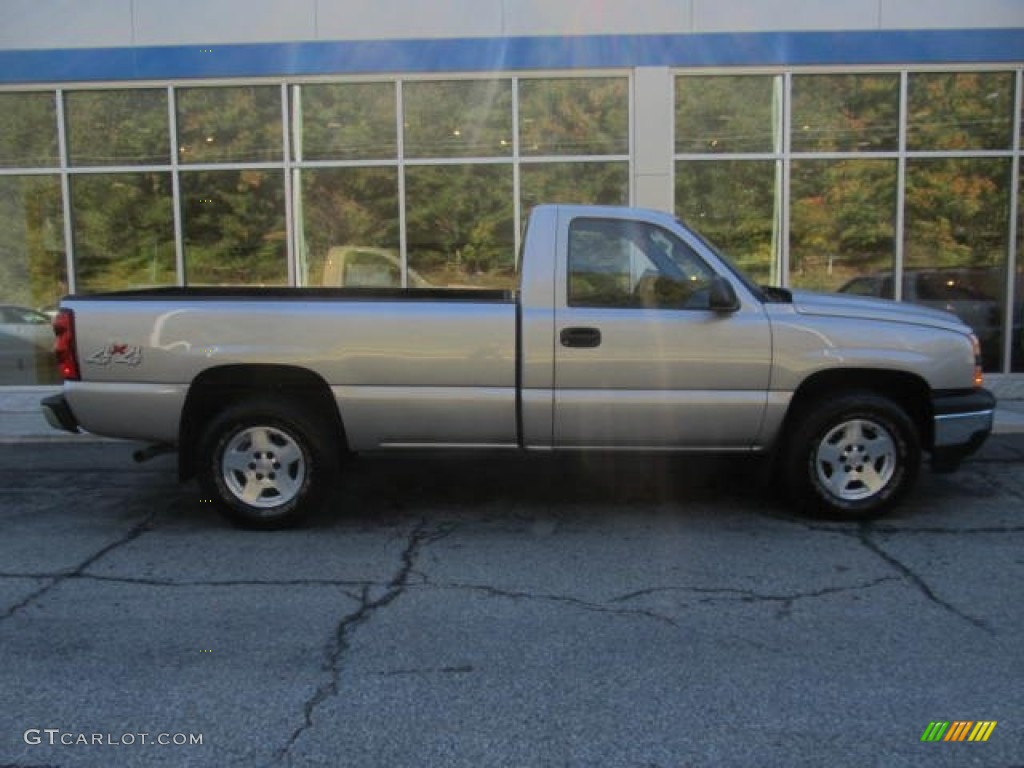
869,146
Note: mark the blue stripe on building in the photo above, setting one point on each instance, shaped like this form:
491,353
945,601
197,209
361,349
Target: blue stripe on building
995,46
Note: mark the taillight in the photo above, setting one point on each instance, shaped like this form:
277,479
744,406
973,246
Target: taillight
64,346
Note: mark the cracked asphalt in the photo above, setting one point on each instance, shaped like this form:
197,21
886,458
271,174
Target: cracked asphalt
505,611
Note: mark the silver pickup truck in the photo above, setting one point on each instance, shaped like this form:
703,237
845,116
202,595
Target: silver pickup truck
628,331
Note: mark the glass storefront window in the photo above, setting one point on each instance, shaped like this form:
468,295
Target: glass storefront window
956,242
346,121
33,276
733,204
574,116
439,157
460,225
960,110
350,227
125,127
234,227
123,229
458,118
236,124
728,114
33,268
28,130
842,225
845,113
591,183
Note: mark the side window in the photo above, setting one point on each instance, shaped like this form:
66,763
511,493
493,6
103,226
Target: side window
628,264
27,316
862,286
368,268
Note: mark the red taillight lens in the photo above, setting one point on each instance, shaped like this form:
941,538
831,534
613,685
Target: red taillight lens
64,346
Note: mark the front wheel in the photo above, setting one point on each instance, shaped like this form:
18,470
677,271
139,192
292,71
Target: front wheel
267,463
852,457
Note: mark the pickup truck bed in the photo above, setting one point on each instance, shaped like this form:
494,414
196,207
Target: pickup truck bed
411,367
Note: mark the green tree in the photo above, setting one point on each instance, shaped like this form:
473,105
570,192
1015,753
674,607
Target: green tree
460,224
32,260
123,230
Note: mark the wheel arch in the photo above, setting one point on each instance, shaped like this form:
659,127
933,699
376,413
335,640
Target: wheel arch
217,388
909,391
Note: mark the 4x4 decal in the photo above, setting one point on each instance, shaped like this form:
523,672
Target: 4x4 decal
125,354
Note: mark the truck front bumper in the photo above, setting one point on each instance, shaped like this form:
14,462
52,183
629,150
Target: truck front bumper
58,413
963,421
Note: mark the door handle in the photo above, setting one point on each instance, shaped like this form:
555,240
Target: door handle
586,338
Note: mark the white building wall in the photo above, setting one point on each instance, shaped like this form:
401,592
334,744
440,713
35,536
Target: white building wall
653,126
34,24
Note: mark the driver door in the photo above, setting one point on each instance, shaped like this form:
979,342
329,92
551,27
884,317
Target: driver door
640,359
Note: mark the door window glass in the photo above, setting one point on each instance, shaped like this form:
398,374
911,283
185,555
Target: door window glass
628,264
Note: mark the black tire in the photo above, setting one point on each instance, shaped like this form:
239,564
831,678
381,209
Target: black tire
266,462
852,457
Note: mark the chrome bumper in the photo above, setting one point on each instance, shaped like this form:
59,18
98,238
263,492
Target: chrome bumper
963,421
960,428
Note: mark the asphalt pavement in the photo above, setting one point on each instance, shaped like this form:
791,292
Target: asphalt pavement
505,611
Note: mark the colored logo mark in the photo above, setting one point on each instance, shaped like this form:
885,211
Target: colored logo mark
958,730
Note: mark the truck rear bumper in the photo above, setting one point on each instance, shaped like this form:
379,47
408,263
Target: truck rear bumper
58,413
963,421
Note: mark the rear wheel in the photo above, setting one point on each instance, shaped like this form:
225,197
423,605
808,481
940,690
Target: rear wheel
266,462
852,457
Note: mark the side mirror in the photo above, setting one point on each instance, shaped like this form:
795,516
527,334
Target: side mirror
722,296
